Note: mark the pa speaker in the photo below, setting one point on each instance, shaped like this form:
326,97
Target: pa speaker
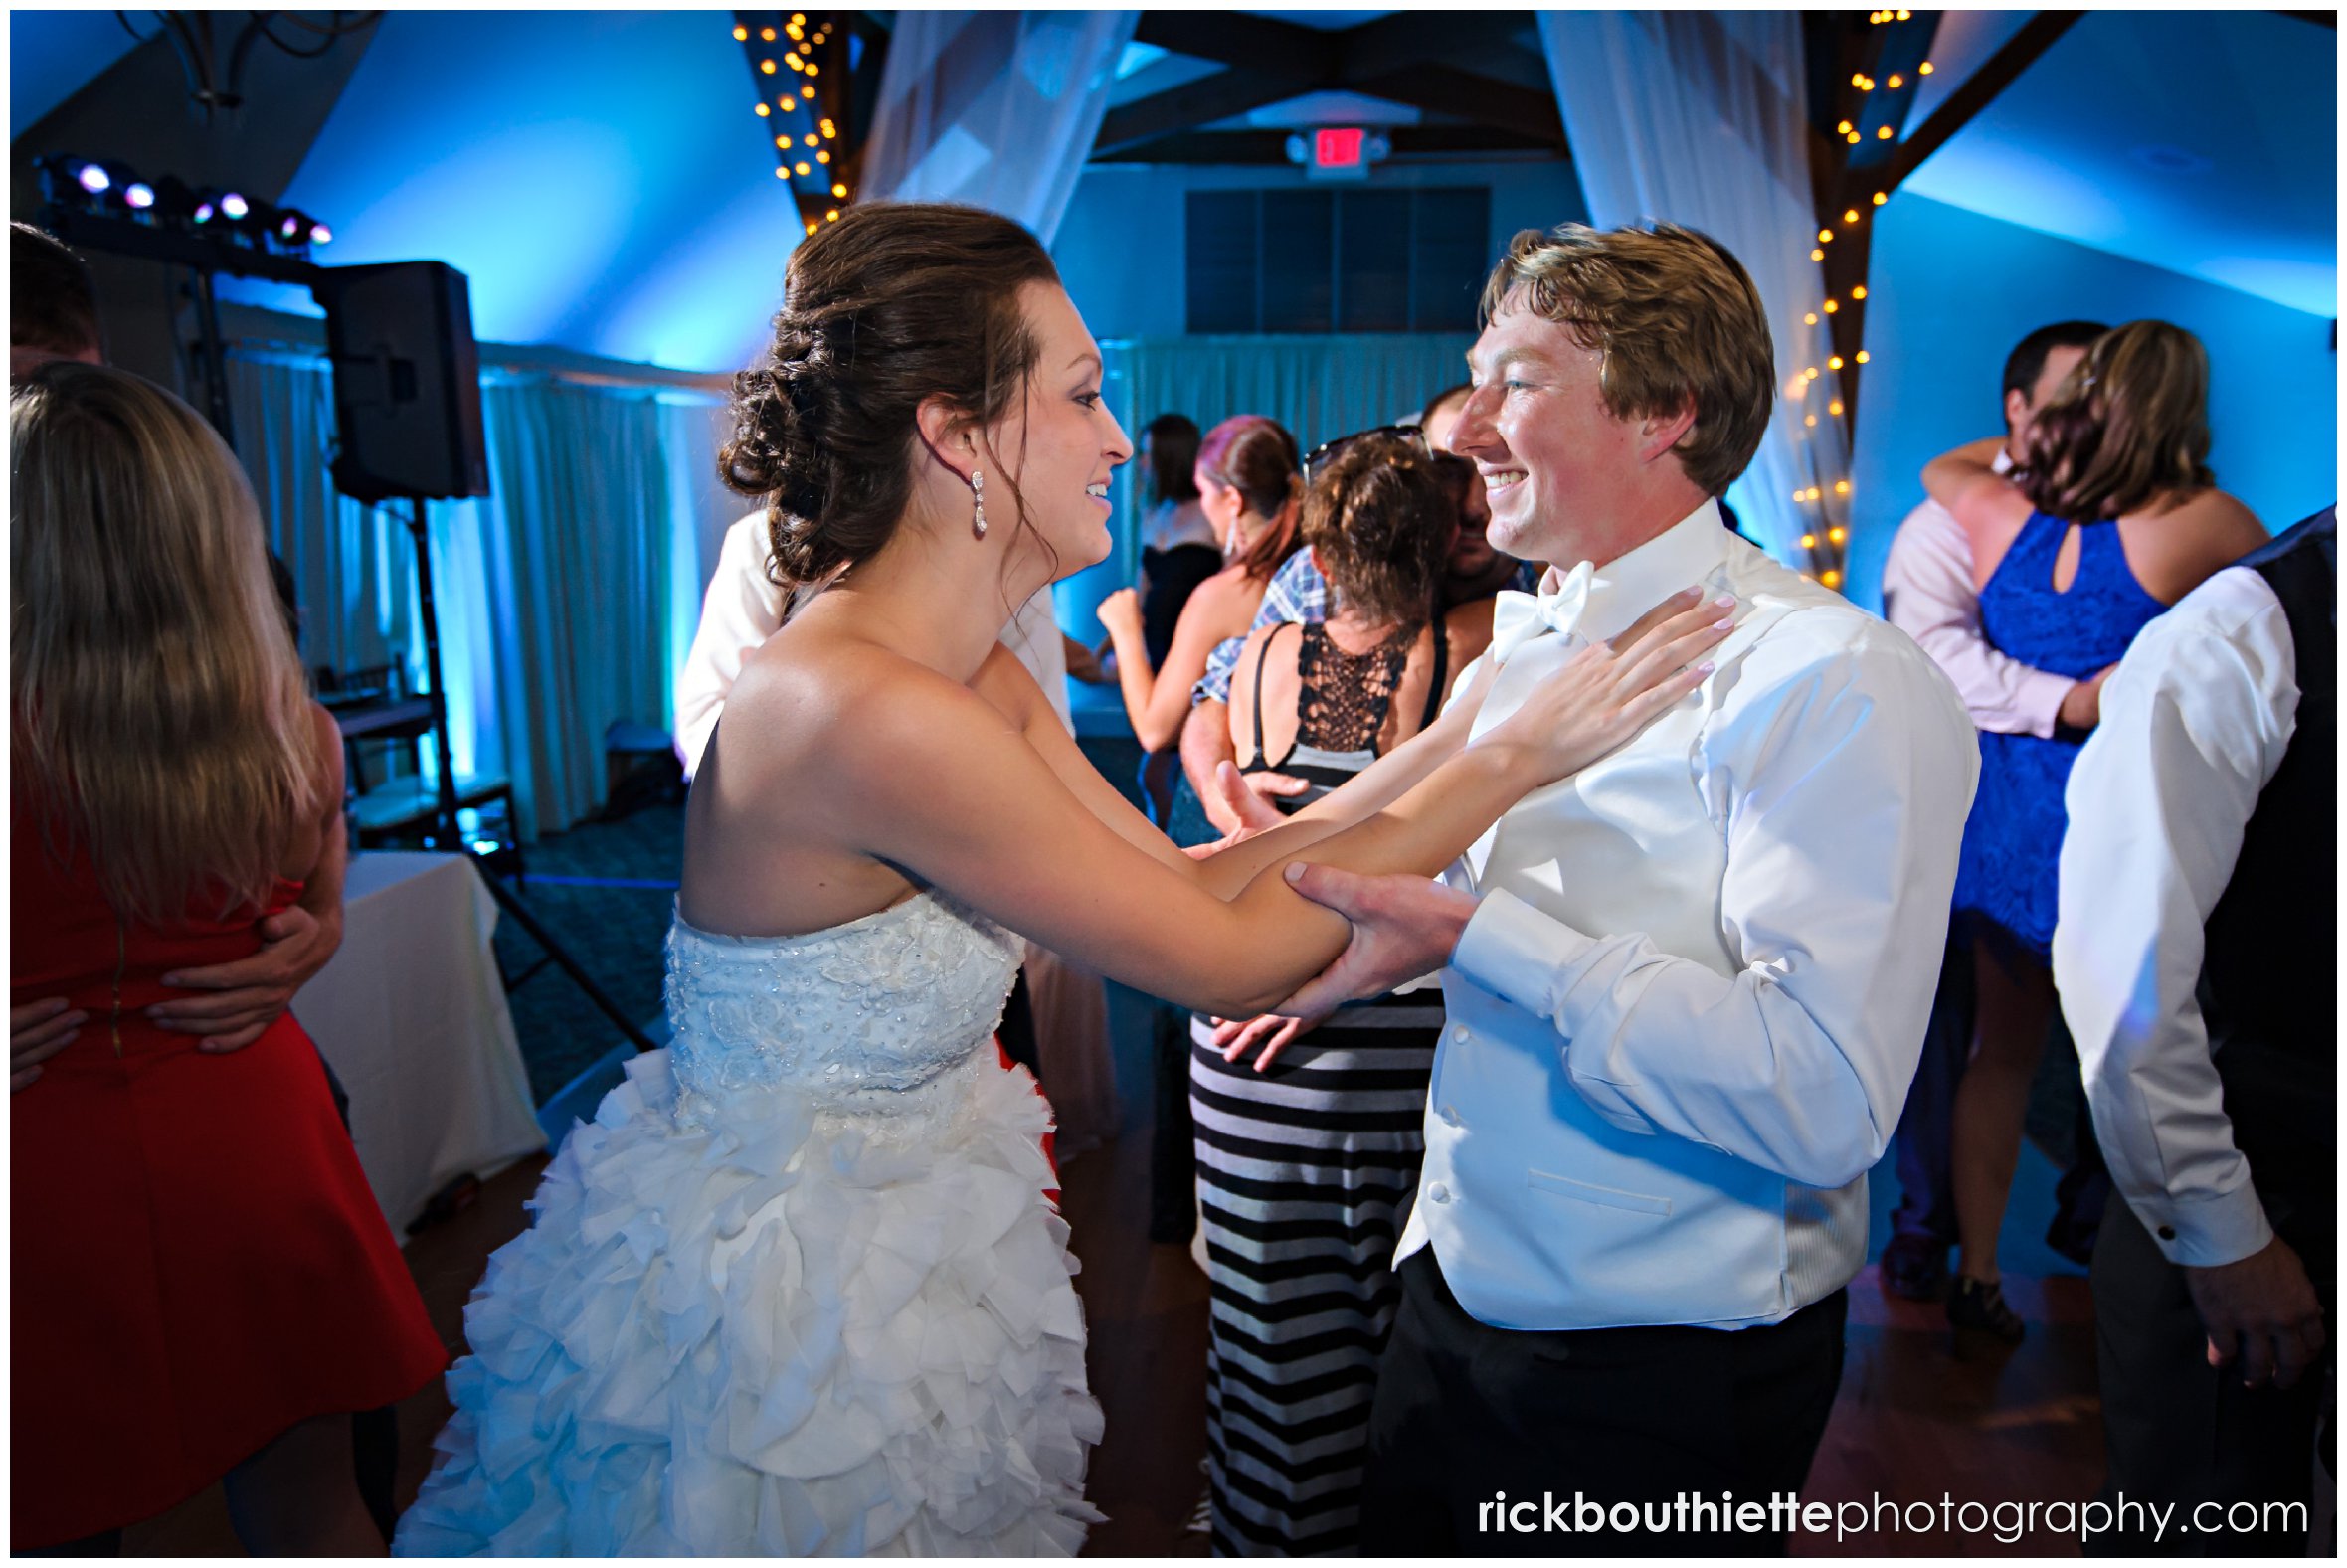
407,381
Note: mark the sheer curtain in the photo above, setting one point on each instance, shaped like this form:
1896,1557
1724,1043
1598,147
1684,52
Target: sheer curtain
995,109
1318,387
1696,117
565,597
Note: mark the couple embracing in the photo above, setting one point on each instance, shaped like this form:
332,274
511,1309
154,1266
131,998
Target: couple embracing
797,1289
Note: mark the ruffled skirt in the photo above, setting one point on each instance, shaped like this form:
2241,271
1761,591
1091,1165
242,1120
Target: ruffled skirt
770,1328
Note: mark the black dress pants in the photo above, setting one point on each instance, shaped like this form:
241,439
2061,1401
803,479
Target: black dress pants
2180,1433
1466,1413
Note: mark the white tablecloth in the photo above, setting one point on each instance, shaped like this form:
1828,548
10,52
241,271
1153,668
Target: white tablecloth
412,1017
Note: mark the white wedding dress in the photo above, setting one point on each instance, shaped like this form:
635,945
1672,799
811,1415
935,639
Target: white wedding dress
795,1289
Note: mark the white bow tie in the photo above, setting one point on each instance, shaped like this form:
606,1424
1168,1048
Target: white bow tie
1517,618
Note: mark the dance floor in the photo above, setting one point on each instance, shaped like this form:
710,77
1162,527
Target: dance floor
1915,1421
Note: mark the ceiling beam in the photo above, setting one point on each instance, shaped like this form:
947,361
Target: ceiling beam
1194,104
1395,58
1235,39
1479,99
1999,72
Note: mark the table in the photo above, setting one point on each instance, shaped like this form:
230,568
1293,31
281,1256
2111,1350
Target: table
412,1015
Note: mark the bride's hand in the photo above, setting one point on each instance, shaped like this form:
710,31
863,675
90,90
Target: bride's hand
1609,691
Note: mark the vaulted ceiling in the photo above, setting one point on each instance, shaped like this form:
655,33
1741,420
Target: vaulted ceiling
600,177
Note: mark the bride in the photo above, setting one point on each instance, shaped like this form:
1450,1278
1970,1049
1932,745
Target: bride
797,1289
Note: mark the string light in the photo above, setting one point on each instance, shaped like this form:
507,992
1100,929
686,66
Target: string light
766,65
1843,129
782,141
1851,217
1895,83
1842,487
801,168
833,216
1924,69
1860,292
811,228
765,33
823,156
1808,541
1832,306
1817,255
1834,408
839,189
810,138
1837,535
763,111
791,59
781,173
1862,356
740,35
1809,420
1883,134
1831,578
806,92
814,70
1810,319
1853,138
1835,363
1825,235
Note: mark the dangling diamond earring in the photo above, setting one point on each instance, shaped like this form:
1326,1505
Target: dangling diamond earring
977,507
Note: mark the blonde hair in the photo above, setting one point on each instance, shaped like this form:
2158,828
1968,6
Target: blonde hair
157,707
2129,425
1676,317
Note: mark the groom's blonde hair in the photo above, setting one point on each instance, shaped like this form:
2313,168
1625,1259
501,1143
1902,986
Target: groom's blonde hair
1676,317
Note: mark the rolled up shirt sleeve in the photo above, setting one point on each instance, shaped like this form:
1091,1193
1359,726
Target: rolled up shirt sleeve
1840,769
2195,722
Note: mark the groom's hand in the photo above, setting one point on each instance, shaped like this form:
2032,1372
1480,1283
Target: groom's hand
1403,927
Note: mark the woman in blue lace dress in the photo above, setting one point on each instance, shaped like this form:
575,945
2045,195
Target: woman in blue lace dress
797,1288
2112,516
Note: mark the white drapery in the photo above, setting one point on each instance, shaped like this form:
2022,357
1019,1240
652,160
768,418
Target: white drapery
566,597
1696,117
994,109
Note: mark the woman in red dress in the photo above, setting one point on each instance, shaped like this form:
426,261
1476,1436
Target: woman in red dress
202,1285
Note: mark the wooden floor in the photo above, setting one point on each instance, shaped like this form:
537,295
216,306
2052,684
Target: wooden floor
1915,1422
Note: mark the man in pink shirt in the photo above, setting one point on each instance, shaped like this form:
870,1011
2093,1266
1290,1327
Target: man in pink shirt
1930,593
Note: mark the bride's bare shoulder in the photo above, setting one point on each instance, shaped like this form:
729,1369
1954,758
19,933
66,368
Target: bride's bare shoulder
840,702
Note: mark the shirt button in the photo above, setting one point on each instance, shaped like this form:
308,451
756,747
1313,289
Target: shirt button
2167,1233
1450,1116
1459,1035
1439,1194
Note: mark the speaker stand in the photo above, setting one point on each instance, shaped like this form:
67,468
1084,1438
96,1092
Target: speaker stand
445,829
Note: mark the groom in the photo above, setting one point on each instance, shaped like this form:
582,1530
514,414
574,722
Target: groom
1686,987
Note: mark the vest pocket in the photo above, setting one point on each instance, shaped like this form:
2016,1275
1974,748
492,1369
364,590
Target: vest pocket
1589,1192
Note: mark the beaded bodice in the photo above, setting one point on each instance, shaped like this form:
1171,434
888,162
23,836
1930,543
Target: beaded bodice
853,1014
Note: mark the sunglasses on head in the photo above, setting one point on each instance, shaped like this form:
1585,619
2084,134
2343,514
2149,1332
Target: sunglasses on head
1319,458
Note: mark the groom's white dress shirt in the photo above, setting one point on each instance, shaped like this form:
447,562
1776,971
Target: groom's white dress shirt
1683,1018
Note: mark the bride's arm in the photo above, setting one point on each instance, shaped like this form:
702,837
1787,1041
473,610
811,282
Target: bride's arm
1012,839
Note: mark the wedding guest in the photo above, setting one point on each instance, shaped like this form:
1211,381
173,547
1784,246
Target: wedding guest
204,1288
1179,545
52,314
1929,594
1684,995
1308,1155
1250,487
2197,958
51,303
2112,516
1297,593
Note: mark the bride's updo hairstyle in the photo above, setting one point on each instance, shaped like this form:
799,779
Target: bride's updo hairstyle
894,303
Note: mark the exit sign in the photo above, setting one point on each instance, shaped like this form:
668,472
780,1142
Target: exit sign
1336,147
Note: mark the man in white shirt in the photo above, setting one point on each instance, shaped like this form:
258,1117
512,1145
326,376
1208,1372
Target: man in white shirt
1685,985
2196,959
1929,594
